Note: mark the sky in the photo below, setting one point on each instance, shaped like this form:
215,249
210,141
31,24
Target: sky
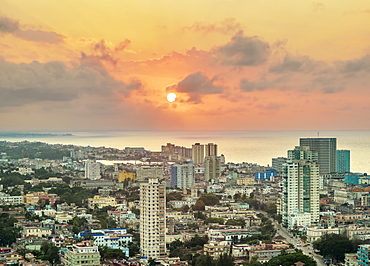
233,64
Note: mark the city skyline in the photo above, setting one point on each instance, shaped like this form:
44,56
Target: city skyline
243,65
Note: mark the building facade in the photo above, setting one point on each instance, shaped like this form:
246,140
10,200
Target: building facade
326,149
82,255
92,170
197,153
212,167
182,175
152,219
210,149
343,164
301,185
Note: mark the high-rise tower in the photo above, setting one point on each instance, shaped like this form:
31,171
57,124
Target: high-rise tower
301,186
326,149
152,219
211,149
197,153
343,161
182,175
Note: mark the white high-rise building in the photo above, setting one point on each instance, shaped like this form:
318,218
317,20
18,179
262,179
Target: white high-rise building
152,219
92,170
182,175
301,186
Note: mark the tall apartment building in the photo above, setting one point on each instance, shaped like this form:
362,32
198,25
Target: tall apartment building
210,149
152,219
343,164
301,185
326,149
182,175
363,257
197,153
92,170
212,167
144,172
277,163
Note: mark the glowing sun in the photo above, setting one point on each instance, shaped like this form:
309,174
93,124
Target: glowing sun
171,97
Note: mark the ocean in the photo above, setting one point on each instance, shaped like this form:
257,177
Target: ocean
237,146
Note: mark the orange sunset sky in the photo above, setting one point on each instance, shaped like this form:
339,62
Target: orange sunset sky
234,64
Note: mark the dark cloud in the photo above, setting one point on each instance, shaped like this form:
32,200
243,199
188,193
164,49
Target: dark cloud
244,51
40,36
196,85
355,65
22,84
227,26
246,85
8,25
293,64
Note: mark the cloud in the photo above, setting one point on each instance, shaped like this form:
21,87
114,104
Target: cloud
355,65
227,26
40,36
22,84
246,85
294,64
196,85
8,25
12,26
244,51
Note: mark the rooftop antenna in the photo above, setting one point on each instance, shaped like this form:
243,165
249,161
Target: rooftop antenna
318,134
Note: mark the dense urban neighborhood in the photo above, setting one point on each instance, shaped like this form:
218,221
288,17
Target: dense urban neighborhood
75,205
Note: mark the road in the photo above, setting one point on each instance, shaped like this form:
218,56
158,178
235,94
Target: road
291,239
306,250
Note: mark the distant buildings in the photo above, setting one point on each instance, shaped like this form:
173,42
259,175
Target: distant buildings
326,149
182,175
92,170
152,219
343,164
212,167
301,186
197,153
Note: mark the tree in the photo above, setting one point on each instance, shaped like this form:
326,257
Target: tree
225,260
106,252
239,222
209,199
203,260
334,246
288,259
199,205
50,253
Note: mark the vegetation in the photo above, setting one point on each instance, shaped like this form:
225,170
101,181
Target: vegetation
223,260
106,252
334,246
49,252
288,259
8,232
